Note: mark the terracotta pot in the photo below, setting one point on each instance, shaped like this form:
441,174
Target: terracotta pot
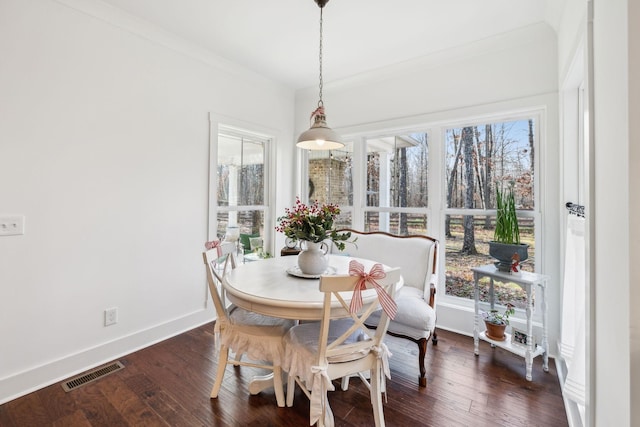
495,331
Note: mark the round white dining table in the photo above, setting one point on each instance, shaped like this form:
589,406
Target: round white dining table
267,288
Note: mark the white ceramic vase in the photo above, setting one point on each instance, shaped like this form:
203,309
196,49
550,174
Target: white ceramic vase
313,259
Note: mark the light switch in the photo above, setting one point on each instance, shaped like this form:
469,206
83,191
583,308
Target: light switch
11,225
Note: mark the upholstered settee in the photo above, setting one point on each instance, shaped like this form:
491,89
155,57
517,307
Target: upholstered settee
417,256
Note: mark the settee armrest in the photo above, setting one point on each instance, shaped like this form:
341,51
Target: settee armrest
432,296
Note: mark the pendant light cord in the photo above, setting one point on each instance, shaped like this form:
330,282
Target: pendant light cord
319,136
320,103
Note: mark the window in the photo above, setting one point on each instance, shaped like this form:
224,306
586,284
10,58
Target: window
331,180
394,192
398,181
479,159
396,195
241,183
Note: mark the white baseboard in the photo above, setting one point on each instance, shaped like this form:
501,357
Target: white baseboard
25,382
570,407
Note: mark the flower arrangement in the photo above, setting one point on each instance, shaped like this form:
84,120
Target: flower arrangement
312,223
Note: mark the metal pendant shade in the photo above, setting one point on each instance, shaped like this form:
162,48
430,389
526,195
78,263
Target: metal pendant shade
320,136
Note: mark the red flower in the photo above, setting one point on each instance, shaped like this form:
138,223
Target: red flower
313,223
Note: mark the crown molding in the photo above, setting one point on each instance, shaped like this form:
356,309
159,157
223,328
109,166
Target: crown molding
144,29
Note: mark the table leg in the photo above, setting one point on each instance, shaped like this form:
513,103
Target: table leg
545,339
492,294
529,352
476,293
260,383
263,382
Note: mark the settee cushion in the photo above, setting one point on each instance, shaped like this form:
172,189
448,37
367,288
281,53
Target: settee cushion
415,317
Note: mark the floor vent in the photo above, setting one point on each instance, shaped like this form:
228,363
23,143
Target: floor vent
90,376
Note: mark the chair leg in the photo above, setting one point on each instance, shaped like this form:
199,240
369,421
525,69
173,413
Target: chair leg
326,419
223,357
376,396
434,337
422,352
291,389
277,386
345,383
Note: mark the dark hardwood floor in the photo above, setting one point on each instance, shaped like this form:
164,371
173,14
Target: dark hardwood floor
168,384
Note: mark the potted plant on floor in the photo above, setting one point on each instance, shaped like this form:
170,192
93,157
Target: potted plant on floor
497,322
506,246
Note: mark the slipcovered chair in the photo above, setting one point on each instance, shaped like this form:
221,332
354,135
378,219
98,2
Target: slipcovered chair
245,240
243,332
318,352
417,256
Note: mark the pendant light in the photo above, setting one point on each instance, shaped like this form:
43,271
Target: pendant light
320,136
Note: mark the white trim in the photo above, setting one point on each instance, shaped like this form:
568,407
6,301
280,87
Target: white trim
479,113
236,208
434,124
121,19
571,408
52,372
219,123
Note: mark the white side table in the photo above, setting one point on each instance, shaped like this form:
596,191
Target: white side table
527,282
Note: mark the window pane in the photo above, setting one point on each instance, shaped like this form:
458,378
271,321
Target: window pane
248,222
344,219
480,157
463,254
240,170
397,171
330,176
396,223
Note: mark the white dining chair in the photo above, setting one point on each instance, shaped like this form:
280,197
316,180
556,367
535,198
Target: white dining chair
243,332
317,353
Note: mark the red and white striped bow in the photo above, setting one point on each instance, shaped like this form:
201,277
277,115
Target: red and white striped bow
377,272
214,244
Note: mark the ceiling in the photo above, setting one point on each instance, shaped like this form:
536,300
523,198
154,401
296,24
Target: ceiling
280,38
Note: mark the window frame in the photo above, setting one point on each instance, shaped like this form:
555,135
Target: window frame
437,210
217,126
538,116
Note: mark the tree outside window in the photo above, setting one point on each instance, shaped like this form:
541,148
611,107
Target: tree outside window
396,191
480,159
241,187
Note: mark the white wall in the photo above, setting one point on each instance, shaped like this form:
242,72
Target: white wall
513,72
571,30
572,58
613,202
611,209
104,149
634,206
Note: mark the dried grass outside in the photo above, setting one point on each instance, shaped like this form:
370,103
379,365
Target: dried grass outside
459,277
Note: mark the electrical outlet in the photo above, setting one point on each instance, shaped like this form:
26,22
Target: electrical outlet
111,316
11,225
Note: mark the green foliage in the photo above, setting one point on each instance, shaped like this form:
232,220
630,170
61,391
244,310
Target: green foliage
313,223
507,229
494,316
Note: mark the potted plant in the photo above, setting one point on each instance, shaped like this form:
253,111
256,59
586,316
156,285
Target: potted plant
497,322
506,246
